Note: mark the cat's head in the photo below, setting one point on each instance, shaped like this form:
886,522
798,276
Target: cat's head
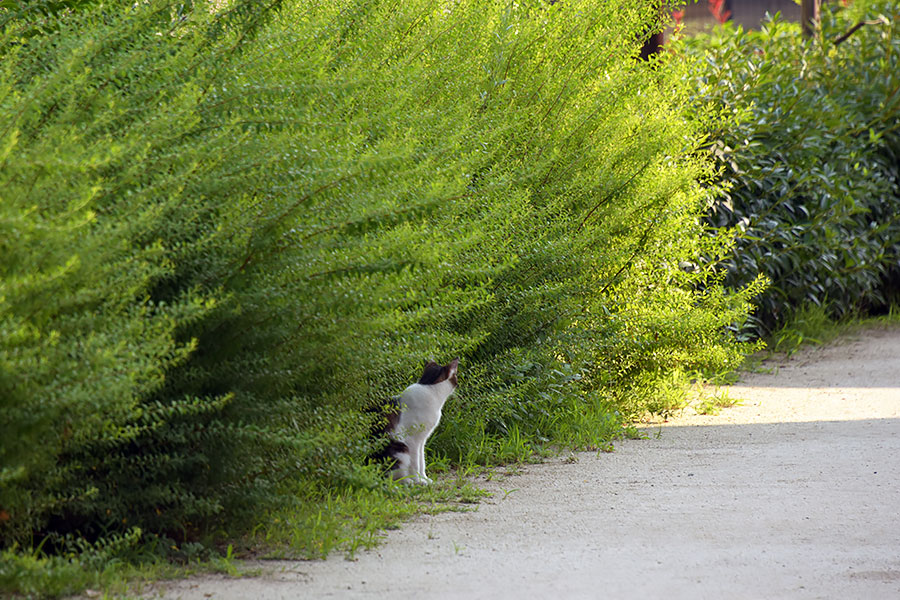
435,373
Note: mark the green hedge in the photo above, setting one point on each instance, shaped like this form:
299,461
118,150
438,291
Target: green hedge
223,238
809,143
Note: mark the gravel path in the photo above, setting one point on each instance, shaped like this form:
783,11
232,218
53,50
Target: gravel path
793,494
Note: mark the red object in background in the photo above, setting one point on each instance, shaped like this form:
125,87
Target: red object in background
717,8
678,15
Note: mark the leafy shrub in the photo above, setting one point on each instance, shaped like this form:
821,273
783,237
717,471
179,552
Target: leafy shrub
809,147
218,248
120,222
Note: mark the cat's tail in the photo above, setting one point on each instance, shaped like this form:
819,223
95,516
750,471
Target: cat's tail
385,418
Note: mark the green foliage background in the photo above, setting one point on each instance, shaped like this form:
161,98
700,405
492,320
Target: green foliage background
808,141
224,235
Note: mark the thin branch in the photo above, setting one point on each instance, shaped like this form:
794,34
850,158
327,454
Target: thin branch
856,27
637,250
611,194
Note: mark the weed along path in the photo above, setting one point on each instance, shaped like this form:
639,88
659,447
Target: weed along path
793,494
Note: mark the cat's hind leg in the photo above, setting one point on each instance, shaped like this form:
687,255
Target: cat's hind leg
403,469
404,458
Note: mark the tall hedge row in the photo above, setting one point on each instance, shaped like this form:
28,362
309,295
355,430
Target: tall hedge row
223,238
809,144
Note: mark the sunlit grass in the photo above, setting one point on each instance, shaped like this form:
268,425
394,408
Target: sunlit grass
813,326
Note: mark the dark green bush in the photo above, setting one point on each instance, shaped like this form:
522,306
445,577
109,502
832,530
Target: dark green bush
808,141
218,248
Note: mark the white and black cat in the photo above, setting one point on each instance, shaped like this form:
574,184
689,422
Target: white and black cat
413,416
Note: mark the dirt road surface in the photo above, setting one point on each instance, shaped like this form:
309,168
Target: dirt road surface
793,494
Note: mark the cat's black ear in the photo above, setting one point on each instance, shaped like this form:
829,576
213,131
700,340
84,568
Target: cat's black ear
451,371
431,373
